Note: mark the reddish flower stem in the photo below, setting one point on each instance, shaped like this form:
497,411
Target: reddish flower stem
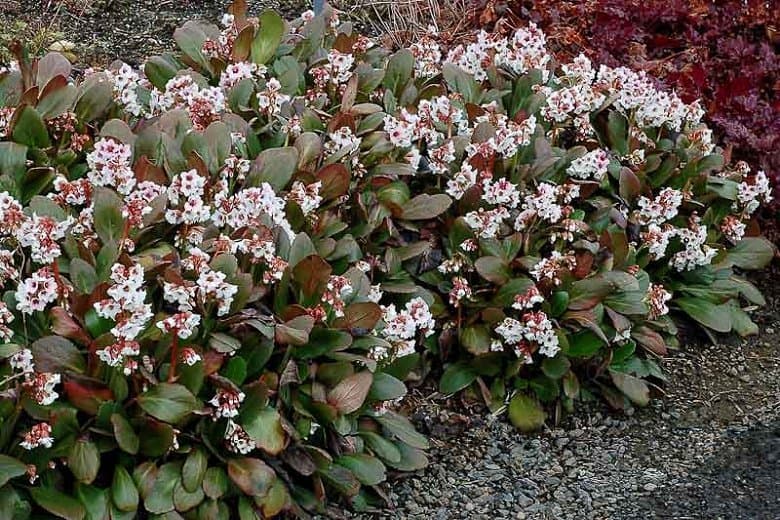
174,356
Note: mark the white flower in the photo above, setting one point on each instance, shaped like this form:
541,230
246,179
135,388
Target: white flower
39,435
663,208
226,403
109,165
181,324
36,292
592,165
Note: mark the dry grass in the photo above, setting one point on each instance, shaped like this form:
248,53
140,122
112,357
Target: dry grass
401,22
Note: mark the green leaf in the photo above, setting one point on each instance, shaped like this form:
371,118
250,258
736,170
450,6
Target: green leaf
571,385
275,166
382,447
584,344
194,470
556,367
167,402
56,354
617,132
83,276
95,501
350,394
456,377
493,269
412,458
525,413
252,476
507,292
109,224
124,434
715,317
160,499
215,482
84,461
190,38
12,159
751,253
368,470
269,36
123,490
30,129
95,96
741,322
159,70
185,500
424,206
461,82
633,387
476,339
386,387
402,429
10,468
302,247
399,71
265,428
58,504
340,478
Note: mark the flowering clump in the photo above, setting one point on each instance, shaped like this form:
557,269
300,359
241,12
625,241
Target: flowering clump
219,270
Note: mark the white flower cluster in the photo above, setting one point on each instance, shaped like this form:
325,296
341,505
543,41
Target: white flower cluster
126,83
695,251
234,73
204,104
752,192
36,292
533,329
525,51
663,208
549,204
226,403
592,165
427,54
402,327
109,165
306,196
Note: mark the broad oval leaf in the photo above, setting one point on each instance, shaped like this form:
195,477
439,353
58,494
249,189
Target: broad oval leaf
368,470
252,476
167,402
424,206
84,461
265,428
525,413
350,394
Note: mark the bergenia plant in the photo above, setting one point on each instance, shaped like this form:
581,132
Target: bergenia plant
219,270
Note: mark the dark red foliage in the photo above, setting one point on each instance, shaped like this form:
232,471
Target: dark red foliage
725,52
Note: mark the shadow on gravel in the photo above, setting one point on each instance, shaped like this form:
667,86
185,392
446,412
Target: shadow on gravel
740,482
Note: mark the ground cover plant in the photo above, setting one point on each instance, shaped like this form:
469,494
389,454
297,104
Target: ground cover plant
219,270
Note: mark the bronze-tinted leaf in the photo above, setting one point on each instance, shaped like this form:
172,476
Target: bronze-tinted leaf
349,395
312,274
361,315
252,476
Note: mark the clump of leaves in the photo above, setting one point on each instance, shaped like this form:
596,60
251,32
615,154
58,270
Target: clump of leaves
187,321
229,262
